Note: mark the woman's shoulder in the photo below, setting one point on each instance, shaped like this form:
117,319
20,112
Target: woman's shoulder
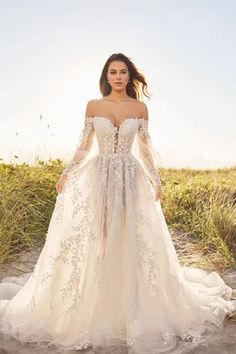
94,105
144,110
91,107
105,98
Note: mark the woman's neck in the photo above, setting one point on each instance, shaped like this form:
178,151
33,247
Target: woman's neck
117,97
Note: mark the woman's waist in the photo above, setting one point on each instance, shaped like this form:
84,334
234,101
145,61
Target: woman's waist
116,154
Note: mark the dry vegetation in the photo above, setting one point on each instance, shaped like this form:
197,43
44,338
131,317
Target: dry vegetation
199,205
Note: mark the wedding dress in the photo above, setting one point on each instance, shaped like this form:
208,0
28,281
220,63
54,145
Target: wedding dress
108,274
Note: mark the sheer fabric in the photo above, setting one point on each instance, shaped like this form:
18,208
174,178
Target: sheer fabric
148,156
85,148
108,274
142,149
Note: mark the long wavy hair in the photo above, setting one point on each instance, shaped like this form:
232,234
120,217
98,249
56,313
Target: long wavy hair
136,88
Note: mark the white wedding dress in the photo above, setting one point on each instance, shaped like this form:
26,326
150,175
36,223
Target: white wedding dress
108,274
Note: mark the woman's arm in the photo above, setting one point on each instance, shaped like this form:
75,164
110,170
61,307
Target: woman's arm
146,152
85,143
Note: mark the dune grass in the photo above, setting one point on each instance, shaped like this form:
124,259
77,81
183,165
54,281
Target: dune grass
26,204
199,203
202,204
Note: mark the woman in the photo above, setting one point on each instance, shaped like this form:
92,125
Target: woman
108,274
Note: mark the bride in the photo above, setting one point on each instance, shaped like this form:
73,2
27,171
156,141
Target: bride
108,274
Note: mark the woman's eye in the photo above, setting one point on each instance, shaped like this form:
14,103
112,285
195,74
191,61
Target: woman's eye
122,72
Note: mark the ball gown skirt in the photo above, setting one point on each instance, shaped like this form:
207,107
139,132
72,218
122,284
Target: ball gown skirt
108,274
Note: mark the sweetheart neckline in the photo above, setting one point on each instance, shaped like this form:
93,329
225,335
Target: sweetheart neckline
112,124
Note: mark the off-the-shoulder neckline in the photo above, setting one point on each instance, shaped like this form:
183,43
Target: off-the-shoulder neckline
113,125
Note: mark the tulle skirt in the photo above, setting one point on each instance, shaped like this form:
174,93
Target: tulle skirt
108,274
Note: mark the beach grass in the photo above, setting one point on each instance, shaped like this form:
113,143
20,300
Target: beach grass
198,203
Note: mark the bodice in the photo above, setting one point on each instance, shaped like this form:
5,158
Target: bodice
116,142
114,139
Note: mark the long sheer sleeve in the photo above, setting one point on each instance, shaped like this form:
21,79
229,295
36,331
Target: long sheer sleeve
146,153
83,147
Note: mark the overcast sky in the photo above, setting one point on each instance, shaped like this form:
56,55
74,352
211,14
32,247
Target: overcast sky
52,54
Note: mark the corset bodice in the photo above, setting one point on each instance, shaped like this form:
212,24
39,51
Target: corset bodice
114,139
116,142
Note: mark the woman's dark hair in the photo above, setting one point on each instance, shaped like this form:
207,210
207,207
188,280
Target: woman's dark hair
136,88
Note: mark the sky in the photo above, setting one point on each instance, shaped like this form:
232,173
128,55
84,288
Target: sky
53,52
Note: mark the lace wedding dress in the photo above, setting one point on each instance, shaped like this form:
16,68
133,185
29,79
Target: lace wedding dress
108,274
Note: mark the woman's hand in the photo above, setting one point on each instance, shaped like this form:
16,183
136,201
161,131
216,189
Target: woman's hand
60,184
158,193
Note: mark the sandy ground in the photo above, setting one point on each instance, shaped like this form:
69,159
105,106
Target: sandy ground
218,343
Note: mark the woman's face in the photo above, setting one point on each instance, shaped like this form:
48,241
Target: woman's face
118,75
